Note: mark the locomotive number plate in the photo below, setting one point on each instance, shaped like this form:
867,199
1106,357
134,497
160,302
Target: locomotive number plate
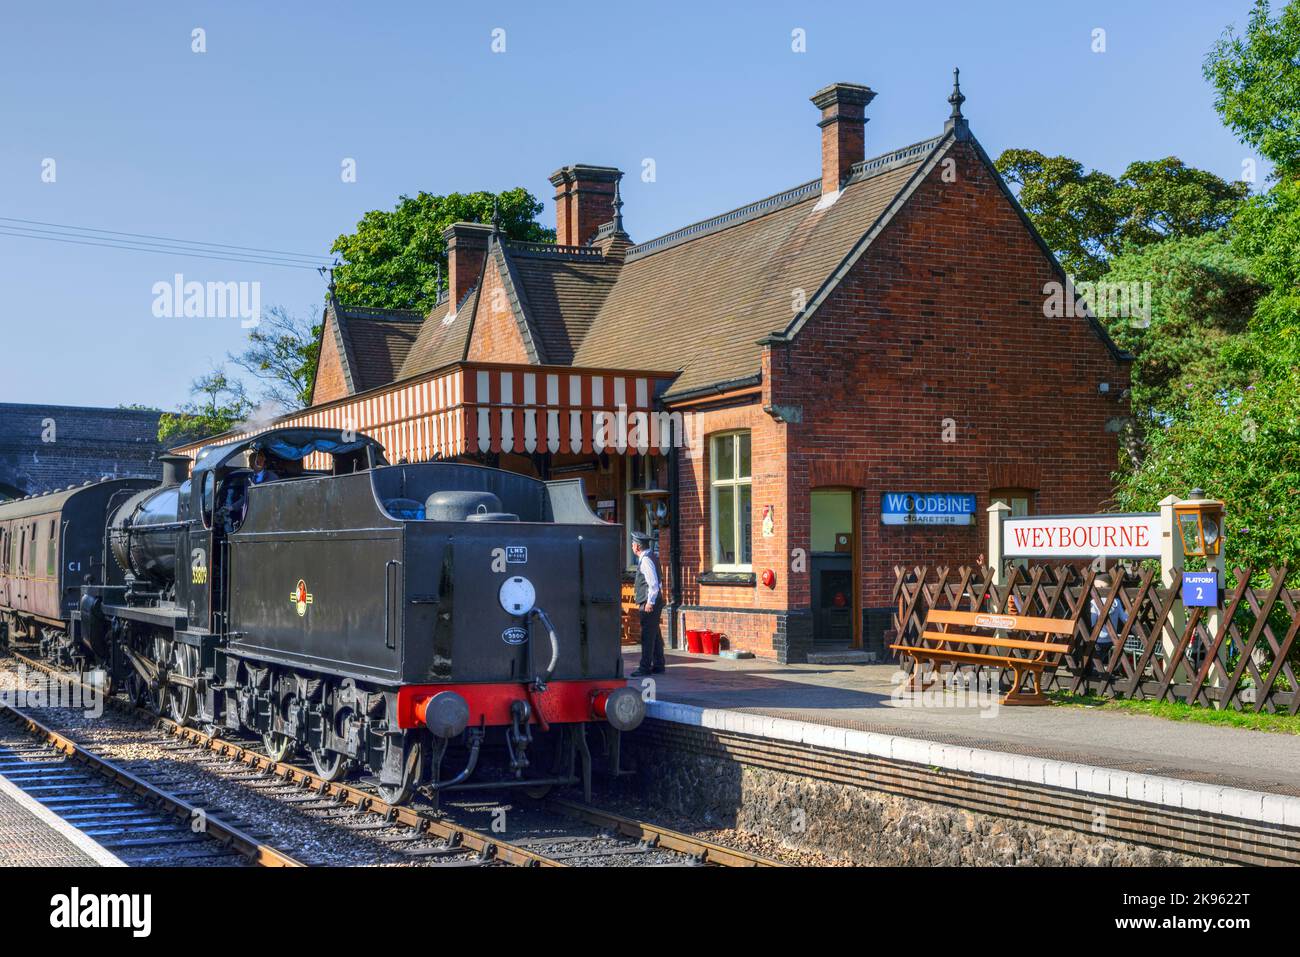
517,554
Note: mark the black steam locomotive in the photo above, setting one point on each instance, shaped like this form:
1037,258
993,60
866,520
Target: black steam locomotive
438,625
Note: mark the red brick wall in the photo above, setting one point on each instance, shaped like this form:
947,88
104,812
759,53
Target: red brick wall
750,632
330,384
496,336
941,320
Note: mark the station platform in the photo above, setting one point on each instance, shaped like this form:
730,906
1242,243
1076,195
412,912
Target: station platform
1236,772
31,835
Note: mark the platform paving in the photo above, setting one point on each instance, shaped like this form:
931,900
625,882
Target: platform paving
31,835
862,698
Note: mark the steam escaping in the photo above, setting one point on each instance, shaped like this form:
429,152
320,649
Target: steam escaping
261,418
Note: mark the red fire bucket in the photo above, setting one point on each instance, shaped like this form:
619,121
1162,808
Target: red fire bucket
695,641
712,642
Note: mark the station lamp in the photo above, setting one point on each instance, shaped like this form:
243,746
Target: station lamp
1200,524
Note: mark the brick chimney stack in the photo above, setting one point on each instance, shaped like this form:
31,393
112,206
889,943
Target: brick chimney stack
467,245
584,201
843,126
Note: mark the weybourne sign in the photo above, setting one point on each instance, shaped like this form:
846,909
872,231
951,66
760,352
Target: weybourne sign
927,508
1082,536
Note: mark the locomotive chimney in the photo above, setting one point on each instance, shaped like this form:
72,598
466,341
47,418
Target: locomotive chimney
175,469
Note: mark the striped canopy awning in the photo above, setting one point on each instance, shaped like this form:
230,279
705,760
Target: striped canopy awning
477,407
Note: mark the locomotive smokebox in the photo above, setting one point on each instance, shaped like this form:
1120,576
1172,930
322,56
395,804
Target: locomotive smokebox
175,469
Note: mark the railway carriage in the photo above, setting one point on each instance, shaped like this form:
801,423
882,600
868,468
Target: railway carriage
439,625
50,545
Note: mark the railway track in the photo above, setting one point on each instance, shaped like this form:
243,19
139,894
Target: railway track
538,838
138,820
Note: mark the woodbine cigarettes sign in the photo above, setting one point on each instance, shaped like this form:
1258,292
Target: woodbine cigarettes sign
1082,536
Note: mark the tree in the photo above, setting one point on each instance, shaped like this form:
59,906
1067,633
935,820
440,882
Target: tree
219,403
1267,232
1242,446
1200,293
1087,217
1069,206
392,258
1257,84
282,352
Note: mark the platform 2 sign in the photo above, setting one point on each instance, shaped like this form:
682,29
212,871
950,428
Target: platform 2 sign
1082,536
1201,589
927,508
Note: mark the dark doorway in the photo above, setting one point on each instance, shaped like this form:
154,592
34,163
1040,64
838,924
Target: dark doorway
833,568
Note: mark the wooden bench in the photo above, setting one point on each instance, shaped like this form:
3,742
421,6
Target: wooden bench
1022,643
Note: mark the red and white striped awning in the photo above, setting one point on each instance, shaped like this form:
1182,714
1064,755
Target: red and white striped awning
475,407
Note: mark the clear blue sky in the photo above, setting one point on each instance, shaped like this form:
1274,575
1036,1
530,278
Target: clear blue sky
244,144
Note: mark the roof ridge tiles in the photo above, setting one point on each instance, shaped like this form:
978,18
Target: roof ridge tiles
860,171
375,312
554,251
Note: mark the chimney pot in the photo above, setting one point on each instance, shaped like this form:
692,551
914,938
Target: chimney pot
843,126
467,245
584,201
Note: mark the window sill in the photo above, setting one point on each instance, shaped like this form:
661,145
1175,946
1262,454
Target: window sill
744,579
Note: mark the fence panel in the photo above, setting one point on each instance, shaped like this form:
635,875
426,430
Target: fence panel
1134,639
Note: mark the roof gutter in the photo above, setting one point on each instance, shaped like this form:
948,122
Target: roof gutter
717,388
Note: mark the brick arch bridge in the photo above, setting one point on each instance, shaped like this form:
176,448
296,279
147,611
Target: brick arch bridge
44,447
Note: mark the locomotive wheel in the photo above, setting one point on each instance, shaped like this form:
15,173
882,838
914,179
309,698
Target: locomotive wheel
401,793
180,703
142,694
180,699
330,765
278,746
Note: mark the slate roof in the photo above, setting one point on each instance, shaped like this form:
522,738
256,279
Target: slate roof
560,291
696,300
441,342
699,299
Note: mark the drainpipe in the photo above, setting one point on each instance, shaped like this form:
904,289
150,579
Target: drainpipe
675,543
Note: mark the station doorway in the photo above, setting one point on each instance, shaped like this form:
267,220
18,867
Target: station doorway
834,564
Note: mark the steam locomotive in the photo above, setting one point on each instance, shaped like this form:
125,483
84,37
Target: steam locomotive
437,625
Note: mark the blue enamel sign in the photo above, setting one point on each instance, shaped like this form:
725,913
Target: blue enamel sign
1201,588
927,508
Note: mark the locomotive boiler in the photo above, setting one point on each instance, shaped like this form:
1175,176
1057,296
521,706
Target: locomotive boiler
439,625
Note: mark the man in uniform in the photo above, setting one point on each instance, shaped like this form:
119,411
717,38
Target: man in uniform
649,603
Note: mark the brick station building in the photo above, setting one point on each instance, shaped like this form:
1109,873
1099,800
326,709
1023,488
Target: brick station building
878,329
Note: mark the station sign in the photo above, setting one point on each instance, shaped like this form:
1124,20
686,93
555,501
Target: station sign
1082,536
1201,588
927,508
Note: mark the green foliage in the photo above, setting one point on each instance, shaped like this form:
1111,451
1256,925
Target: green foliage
1179,711
1267,231
1257,84
1202,294
391,260
1087,217
218,404
282,351
1240,444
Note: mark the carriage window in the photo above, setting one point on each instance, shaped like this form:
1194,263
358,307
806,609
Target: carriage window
51,549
